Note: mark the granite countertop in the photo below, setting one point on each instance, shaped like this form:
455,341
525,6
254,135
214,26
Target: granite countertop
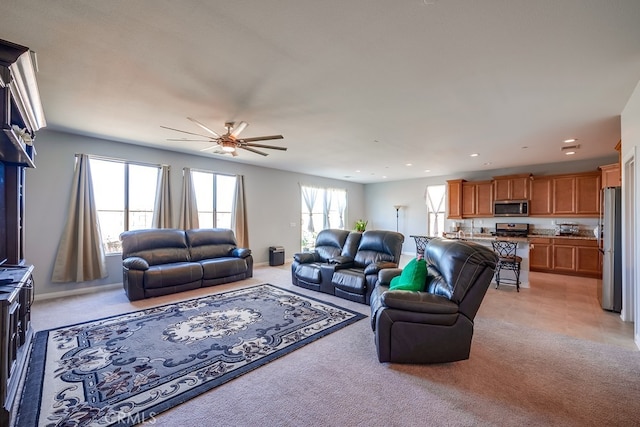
482,236
488,236
553,236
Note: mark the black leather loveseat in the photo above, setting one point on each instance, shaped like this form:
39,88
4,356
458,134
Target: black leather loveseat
434,325
162,261
346,264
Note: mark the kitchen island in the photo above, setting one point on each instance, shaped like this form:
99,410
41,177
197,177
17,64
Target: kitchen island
485,239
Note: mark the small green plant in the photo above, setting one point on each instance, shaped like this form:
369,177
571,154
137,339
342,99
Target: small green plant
361,225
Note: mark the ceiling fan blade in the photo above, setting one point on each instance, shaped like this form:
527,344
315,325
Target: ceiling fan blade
212,147
190,140
261,138
204,127
239,128
273,147
184,131
244,147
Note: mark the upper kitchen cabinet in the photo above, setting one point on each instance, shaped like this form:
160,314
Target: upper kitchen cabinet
611,175
454,198
477,199
576,194
541,202
512,187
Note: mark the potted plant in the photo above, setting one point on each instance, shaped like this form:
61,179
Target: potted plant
361,225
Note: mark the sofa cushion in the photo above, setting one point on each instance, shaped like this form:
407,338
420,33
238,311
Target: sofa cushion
222,267
207,243
160,276
308,272
412,278
350,280
156,246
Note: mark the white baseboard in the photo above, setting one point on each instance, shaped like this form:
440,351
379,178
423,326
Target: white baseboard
79,291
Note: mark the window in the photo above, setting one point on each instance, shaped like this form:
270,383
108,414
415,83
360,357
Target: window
125,196
434,198
322,208
214,196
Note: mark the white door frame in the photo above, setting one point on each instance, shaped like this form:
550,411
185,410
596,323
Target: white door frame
631,236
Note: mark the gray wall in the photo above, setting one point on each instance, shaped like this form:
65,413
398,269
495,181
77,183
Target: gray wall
380,199
273,200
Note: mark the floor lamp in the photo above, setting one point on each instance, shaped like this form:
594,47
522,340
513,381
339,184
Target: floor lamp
397,208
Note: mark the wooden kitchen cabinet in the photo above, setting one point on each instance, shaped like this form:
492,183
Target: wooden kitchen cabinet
541,202
576,194
540,249
577,257
454,198
611,175
588,194
512,187
477,199
564,195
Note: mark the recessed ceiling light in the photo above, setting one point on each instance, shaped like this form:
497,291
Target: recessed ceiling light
474,155
409,164
570,153
570,140
358,171
486,163
384,176
427,170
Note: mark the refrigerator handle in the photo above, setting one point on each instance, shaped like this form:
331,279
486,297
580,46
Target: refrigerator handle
600,222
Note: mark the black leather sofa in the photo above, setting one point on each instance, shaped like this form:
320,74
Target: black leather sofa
163,261
347,265
436,325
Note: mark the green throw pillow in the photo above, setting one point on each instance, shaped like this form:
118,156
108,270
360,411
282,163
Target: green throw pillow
412,278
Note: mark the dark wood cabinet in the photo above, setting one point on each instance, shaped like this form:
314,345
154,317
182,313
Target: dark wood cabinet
20,117
15,333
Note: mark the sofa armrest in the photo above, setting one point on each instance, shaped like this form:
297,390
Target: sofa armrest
135,263
241,252
341,261
386,274
375,267
305,257
421,302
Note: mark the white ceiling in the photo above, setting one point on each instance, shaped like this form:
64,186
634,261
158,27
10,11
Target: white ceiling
358,88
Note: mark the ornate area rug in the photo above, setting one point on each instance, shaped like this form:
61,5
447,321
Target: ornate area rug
125,369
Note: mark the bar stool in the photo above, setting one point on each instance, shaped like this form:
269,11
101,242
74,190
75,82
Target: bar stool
421,243
507,260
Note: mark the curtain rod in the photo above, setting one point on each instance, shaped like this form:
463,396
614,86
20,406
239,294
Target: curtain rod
113,159
209,171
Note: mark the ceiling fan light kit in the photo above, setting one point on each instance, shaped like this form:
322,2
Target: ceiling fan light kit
229,142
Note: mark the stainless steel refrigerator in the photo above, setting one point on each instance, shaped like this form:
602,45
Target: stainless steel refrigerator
610,236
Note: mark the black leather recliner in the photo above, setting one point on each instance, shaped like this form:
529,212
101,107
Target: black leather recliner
313,270
436,325
378,249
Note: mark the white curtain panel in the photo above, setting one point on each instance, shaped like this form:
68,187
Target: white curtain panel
80,256
239,214
162,208
188,206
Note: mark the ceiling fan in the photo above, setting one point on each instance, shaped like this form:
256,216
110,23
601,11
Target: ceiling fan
229,142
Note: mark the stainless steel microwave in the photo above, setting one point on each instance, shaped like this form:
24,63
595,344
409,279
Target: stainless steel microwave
511,208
